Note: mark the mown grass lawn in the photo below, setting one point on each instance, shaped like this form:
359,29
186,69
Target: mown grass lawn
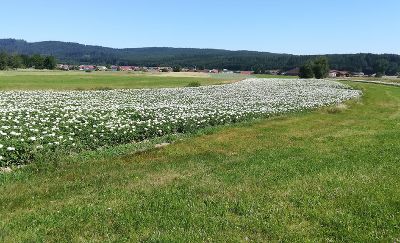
79,80
326,175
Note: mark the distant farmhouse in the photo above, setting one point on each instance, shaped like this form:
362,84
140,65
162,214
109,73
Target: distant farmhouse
87,68
338,74
63,67
357,74
274,72
344,74
101,68
246,72
125,68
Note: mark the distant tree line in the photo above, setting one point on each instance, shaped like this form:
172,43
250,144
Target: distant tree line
260,62
14,61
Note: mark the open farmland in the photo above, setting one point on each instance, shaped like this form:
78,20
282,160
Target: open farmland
331,174
211,121
34,122
77,80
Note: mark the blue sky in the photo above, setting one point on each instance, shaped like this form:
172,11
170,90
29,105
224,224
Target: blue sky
282,26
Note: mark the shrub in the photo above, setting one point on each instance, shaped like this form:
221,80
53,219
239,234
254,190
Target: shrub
321,68
194,84
177,69
306,71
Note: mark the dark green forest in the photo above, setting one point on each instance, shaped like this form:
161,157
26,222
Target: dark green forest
73,53
14,61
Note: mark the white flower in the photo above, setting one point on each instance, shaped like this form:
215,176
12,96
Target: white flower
10,148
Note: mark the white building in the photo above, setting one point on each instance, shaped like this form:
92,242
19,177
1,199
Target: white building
101,68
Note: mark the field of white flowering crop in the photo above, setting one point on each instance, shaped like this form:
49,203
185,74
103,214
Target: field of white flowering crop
35,121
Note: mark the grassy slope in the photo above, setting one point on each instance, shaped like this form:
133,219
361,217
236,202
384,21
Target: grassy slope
15,80
332,174
383,79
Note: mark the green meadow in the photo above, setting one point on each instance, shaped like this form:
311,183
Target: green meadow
329,175
79,80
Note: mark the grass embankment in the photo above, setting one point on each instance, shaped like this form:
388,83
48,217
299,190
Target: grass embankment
390,79
76,80
327,175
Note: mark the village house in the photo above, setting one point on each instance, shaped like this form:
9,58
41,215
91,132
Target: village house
101,68
114,68
226,71
155,69
357,74
64,67
332,74
339,74
87,68
246,72
124,68
273,72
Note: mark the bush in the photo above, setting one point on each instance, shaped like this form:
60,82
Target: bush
321,68
306,71
194,84
177,69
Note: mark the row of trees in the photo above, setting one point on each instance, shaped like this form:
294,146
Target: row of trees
318,68
8,61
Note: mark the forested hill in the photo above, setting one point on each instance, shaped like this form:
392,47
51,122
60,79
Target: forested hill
73,53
